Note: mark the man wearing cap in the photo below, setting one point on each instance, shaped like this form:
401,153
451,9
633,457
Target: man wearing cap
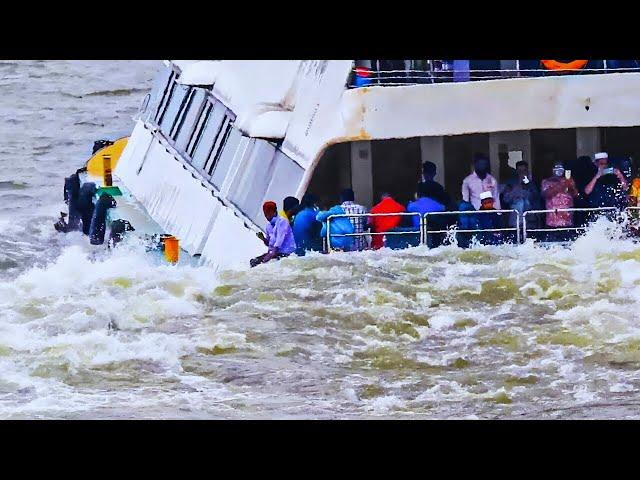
480,181
608,187
559,192
279,236
488,221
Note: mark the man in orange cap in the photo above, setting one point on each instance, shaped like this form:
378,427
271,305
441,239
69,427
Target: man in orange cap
279,236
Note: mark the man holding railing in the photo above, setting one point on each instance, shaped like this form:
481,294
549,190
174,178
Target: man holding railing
279,238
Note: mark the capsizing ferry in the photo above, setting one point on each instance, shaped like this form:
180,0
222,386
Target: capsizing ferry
213,140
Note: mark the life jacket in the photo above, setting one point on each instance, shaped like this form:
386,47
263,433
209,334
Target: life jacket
559,66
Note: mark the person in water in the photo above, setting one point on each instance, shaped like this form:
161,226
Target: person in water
99,219
71,194
290,206
359,223
279,238
85,205
384,224
608,187
480,181
340,230
306,229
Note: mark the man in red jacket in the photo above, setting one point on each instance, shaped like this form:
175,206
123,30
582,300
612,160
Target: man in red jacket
384,224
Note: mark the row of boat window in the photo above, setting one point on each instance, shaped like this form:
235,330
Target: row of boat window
202,130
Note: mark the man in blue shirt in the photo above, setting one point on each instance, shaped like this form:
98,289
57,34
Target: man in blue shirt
279,236
306,229
425,203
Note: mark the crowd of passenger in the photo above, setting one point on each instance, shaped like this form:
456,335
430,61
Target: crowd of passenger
301,226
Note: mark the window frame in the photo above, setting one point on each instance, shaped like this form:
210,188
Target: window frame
199,130
166,97
218,145
182,113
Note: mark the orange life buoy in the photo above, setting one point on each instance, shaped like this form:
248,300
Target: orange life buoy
571,65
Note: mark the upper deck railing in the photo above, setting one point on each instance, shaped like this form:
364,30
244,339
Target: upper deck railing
446,73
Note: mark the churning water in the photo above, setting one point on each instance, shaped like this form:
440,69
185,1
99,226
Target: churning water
492,332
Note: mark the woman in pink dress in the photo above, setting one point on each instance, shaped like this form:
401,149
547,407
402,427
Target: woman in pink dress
559,192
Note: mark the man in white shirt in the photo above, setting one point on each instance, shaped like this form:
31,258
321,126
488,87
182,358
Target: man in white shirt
359,223
480,181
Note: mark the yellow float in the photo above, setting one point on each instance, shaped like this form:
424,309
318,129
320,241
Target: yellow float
95,165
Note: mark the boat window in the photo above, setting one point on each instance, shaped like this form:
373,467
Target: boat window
253,178
166,95
161,87
184,108
224,155
186,126
209,134
174,105
215,150
202,122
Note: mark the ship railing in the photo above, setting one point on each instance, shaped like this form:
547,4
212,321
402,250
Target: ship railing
525,226
453,230
580,228
366,232
397,78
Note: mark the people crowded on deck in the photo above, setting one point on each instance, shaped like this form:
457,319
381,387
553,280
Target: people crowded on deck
520,193
608,187
585,184
340,230
559,192
306,229
384,224
480,181
279,238
359,223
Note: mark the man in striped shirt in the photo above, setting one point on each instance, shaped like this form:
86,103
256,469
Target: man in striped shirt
359,223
